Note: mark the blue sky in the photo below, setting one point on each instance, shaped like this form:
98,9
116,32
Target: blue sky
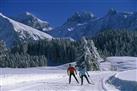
57,11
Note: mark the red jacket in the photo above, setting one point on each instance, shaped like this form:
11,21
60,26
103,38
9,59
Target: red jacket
71,70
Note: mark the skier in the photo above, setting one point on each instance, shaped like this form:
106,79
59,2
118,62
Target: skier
82,73
72,71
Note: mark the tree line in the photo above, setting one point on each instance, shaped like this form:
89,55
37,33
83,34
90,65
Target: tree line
116,43
60,51
54,52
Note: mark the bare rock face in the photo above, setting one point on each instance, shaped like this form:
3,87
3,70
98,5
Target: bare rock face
33,21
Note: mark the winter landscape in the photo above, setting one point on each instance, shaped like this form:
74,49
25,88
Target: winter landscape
56,79
98,51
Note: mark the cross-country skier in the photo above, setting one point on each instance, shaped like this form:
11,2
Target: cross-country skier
83,73
71,72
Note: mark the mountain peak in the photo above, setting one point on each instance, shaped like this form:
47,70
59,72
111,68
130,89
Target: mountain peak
13,31
2,15
33,21
82,24
85,13
28,13
81,16
112,11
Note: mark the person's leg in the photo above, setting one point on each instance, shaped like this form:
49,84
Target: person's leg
70,78
75,78
87,79
81,79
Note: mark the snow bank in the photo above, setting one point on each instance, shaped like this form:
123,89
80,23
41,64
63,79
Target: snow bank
119,63
130,75
124,81
106,86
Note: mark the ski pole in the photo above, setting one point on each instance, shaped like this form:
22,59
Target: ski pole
91,80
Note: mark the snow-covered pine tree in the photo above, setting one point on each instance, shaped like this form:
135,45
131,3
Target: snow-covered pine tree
93,49
95,53
84,56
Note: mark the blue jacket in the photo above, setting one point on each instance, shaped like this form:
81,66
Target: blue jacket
83,71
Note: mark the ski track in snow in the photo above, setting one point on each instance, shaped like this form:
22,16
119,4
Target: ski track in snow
49,80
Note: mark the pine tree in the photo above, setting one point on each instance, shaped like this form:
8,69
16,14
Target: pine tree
84,56
94,53
3,53
93,49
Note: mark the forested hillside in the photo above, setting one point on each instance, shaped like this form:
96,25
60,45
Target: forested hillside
54,52
60,51
116,43
57,51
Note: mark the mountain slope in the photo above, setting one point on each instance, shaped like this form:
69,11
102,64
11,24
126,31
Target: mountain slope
86,24
12,32
31,20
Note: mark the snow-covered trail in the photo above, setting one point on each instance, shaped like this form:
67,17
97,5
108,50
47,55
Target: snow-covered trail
56,78
48,79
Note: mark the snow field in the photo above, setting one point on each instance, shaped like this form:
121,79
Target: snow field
124,78
47,79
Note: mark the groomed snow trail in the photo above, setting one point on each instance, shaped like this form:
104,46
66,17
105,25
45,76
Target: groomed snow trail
47,79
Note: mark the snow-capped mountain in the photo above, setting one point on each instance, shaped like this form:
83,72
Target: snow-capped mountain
86,24
74,26
12,31
31,20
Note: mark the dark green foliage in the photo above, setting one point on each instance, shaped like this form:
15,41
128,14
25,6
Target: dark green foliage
23,60
57,51
117,43
20,58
